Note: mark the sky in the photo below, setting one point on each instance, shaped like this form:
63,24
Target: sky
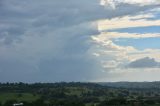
79,40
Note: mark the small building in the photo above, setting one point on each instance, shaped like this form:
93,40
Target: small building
18,104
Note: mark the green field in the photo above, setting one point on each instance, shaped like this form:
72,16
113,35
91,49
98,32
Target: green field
18,96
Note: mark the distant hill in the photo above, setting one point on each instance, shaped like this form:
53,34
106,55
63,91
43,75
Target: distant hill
145,85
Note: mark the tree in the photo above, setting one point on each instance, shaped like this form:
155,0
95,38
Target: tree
150,102
113,102
39,102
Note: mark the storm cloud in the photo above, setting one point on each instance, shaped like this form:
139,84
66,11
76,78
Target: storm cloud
51,40
144,63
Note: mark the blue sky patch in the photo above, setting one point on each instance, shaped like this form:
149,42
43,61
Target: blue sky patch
150,29
145,43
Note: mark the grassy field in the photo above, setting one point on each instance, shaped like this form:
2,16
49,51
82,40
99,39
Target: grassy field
77,91
18,96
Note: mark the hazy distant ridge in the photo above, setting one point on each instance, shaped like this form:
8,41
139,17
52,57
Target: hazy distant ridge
132,84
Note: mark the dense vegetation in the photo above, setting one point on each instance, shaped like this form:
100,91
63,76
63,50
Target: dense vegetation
77,94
